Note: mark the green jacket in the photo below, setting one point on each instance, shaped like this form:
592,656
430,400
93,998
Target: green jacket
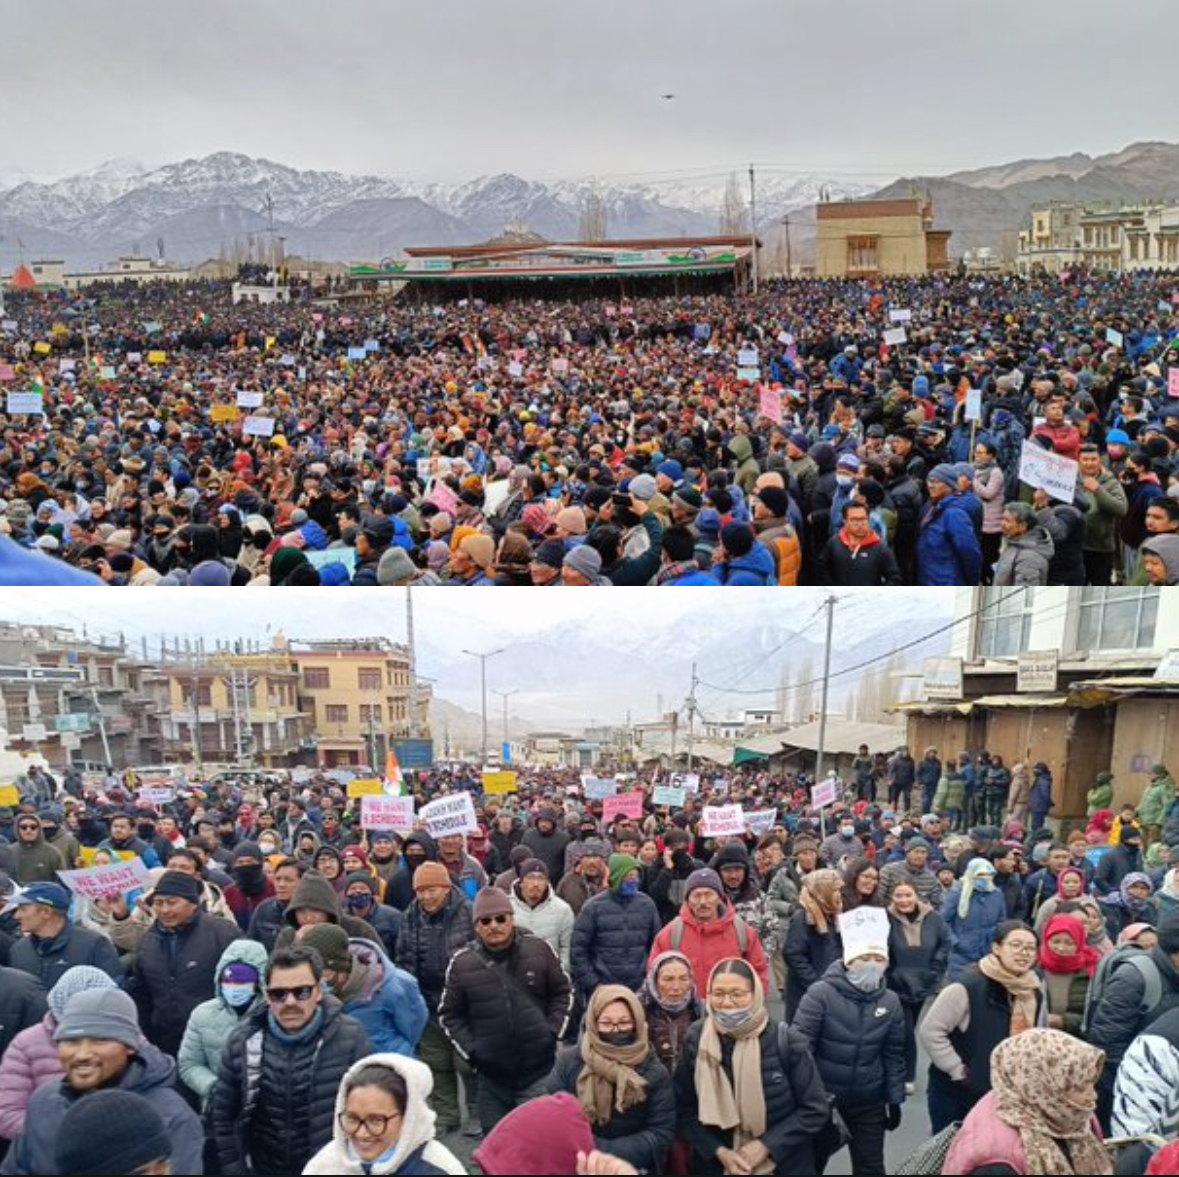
1101,795
1106,506
1158,796
747,470
951,793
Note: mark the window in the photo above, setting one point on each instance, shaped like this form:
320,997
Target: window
1005,623
370,713
336,712
317,678
106,676
1117,618
204,694
370,680
861,253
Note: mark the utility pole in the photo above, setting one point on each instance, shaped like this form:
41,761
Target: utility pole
691,705
830,603
273,260
505,696
483,678
789,261
196,717
414,727
106,748
753,226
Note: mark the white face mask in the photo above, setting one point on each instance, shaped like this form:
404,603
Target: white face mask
866,975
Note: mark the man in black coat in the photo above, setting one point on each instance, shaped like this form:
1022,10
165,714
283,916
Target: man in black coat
50,944
505,1006
855,555
547,842
22,1004
176,965
274,1105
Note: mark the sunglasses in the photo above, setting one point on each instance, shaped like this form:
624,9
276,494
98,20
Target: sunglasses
27,826
485,921
280,995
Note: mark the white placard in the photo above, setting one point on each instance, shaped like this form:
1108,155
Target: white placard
246,399
895,336
670,796
598,788
785,338
258,427
156,796
688,781
34,733
32,403
723,819
387,813
862,930
824,793
900,315
515,369
747,357
1114,337
973,411
761,821
450,815
98,882
1048,471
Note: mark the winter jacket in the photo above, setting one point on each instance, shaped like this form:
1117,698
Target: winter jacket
948,549
213,1021
988,486
668,1031
22,1004
274,1104
551,919
549,848
386,1002
916,972
1156,801
783,544
707,944
923,881
1065,523
857,1038
796,1102
1107,504
1114,866
1145,1095
427,942
267,923
317,893
643,1133
1099,797
37,861
755,569
611,939
1040,798
1119,1017
870,563
973,935
29,1060
1024,560
505,1011
48,959
636,571
951,792
747,470
809,954
174,973
151,1075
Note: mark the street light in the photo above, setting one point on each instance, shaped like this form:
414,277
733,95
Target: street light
505,696
483,677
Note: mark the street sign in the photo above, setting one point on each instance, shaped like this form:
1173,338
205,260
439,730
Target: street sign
943,678
72,723
414,753
1036,670
34,733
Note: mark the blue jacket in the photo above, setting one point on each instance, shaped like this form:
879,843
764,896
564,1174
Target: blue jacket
389,1005
948,549
611,939
973,935
1040,798
18,566
692,578
755,569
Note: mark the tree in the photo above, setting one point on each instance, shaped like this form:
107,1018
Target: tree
734,219
595,216
804,691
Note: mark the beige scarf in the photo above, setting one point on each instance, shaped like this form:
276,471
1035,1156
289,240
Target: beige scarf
1023,989
609,1081
740,1105
820,898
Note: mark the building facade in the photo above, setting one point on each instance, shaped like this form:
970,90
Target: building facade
1128,239
878,239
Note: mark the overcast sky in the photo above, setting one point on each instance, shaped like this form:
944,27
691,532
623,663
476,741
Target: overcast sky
450,89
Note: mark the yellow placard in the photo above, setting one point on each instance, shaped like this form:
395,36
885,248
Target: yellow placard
499,782
89,852
42,349
366,788
223,414
157,357
9,796
269,342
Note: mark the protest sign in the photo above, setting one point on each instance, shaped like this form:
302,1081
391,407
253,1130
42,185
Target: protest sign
747,357
32,403
670,796
824,793
248,399
224,414
107,372
1114,337
761,821
515,369
98,882
9,796
368,787
357,353
559,365
598,788
900,315
345,556
862,930
372,345
749,375
973,411
258,427
156,796
785,338
625,805
1048,471
450,815
7,372
770,404
157,357
723,819
42,348
499,782
895,336
1173,382
386,813
688,781
64,366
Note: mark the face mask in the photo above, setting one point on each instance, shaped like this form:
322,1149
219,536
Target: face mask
847,831
628,889
49,831
619,1038
147,831
359,902
729,1020
986,883
844,480
866,976
238,996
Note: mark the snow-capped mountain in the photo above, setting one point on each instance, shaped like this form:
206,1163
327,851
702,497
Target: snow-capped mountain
199,206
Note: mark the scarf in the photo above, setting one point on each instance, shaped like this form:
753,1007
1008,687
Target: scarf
1045,1087
738,1105
609,1081
1076,872
1170,887
670,572
1083,960
650,987
910,923
981,871
819,898
1022,988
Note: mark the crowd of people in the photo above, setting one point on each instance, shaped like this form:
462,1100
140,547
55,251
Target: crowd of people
705,439
286,991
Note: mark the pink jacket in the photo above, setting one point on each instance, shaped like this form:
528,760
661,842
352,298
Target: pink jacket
29,1061
989,489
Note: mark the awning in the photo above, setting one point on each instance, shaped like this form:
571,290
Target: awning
845,736
748,756
994,703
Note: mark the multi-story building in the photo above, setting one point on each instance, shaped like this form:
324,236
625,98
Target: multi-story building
878,239
1084,679
1113,240
1052,240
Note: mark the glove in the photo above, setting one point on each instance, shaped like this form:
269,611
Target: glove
892,1117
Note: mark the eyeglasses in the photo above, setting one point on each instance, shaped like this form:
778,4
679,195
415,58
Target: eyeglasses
726,998
373,1125
280,995
485,921
615,1027
1023,949
27,826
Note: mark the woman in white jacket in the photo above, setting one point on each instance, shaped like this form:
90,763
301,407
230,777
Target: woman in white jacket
384,1123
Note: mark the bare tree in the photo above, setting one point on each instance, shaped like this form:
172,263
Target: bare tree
734,217
595,216
804,691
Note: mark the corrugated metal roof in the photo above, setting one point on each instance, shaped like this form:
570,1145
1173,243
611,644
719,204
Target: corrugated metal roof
845,735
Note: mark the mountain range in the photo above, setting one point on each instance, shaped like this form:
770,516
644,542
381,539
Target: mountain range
196,209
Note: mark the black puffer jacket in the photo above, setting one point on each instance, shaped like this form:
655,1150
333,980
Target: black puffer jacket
796,1102
274,1104
47,960
505,1011
22,1004
914,973
174,973
426,943
267,923
809,953
644,1132
549,848
611,939
316,893
1119,1017
857,1038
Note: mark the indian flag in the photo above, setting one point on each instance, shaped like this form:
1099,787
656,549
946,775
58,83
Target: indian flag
394,782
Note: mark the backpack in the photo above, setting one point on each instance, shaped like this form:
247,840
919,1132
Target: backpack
742,929
1129,955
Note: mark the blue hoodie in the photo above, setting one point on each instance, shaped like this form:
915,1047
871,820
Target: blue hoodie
18,566
755,569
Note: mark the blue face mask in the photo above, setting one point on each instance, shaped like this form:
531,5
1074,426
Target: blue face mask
238,996
629,888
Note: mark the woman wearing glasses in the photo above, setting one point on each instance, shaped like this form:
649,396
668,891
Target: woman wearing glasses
749,1094
384,1123
994,1000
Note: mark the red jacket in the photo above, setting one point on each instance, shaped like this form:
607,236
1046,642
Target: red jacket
706,945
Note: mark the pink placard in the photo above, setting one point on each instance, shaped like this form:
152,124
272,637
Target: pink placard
1172,382
624,805
770,404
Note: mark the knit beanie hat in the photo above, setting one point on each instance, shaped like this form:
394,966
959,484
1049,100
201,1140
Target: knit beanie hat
619,866
331,942
944,473
108,1014
110,1132
585,560
551,552
533,866
706,879
78,979
180,885
481,549
359,876
394,567
492,901
430,874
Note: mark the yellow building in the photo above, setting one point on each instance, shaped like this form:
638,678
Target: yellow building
878,239
358,695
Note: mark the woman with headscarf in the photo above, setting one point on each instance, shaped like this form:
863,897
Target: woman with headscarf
998,998
812,940
972,910
512,559
619,1081
1089,912
1129,904
1068,963
1070,887
749,1094
861,885
1039,1118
